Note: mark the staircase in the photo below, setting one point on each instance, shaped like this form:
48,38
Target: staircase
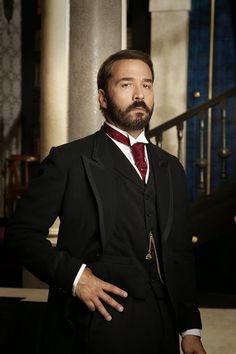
212,210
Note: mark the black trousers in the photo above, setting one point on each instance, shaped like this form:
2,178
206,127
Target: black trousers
145,326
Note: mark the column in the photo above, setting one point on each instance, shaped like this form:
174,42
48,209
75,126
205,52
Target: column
54,74
169,52
96,31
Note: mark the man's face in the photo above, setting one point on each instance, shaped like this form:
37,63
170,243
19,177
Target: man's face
129,101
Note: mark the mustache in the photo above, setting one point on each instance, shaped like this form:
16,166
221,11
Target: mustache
138,104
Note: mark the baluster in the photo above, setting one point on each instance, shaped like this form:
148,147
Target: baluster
159,140
223,152
201,162
180,128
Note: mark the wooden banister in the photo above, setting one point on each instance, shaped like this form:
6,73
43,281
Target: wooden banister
199,111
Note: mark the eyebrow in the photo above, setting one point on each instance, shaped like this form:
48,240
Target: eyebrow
131,79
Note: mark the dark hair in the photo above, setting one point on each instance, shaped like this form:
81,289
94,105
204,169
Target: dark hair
105,70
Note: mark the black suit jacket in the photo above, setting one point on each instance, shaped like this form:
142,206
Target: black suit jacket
76,183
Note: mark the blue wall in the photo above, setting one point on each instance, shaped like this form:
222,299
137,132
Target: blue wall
224,77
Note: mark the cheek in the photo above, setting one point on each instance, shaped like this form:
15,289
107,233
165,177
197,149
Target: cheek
122,99
150,100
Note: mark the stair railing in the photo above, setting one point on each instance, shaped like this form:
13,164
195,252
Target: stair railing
200,111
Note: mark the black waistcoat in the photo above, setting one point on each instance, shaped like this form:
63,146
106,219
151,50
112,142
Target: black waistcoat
124,260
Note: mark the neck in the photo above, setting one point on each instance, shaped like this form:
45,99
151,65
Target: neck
135,133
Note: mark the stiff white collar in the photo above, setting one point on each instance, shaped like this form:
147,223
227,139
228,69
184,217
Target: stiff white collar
140,139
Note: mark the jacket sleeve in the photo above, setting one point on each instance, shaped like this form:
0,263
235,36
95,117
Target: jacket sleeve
26,233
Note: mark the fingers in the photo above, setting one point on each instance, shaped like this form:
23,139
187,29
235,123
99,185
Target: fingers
94,292
90,305
96,304
112,302
113,289
102,310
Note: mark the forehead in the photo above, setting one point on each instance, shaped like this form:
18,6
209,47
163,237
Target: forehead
130,68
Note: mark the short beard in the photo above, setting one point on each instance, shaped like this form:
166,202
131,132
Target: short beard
121,118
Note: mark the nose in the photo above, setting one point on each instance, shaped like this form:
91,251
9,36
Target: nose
138,93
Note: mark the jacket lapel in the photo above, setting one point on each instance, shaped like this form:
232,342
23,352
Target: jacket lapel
101,178
162,176
123,165
100,173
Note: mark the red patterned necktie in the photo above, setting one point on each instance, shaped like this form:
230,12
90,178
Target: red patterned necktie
137,149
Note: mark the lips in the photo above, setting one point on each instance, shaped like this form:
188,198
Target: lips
138,109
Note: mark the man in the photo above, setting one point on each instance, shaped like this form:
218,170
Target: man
121,277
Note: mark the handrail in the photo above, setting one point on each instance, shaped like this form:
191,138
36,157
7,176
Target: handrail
190,113
199,111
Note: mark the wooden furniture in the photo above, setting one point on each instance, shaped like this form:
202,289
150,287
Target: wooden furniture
19,170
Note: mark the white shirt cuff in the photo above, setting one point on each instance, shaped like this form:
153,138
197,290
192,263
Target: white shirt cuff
77,278
192,332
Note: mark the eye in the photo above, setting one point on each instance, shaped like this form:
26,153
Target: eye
147,86
126,84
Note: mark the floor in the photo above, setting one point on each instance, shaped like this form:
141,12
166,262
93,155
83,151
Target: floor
219,330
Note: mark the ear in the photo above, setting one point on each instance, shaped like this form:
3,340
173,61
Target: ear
102,99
